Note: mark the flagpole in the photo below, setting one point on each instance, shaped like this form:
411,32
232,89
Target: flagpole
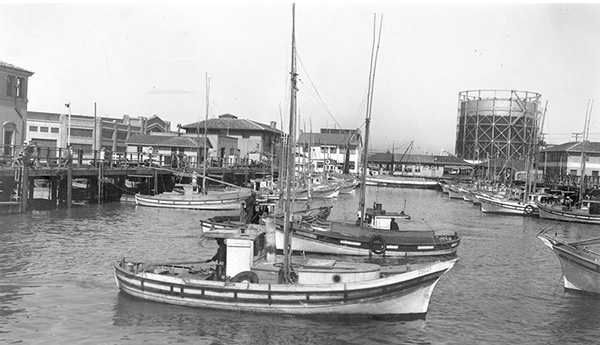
68,105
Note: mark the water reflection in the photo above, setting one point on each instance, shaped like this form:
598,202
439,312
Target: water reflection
228,327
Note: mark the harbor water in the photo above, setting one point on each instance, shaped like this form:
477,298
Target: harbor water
57,284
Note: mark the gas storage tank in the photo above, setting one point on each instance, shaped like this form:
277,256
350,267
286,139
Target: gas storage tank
497,124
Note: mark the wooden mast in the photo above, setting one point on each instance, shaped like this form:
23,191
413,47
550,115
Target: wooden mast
365,158
205,137
287,245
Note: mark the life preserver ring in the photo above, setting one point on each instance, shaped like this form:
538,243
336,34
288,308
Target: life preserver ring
327,161
245,276
528,209
377,244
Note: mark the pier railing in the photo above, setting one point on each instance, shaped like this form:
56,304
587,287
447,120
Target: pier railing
53,157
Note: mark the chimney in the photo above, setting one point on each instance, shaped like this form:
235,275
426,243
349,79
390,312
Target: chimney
274,124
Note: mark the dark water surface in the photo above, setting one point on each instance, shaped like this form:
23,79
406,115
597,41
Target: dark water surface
57,284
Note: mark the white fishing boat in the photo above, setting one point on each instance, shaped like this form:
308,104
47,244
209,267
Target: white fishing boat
401,181
580,263
252,283
212,200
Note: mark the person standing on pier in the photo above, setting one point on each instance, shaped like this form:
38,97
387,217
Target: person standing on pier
68,157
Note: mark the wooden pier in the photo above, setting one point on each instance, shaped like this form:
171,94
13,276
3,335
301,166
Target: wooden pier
26,188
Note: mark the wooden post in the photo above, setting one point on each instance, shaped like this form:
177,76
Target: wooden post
271,239
54,190
24,188
69,186
155,182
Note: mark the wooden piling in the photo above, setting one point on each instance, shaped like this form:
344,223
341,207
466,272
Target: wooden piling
69,186
24,188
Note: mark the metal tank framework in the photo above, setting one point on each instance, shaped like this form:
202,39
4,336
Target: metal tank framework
497,124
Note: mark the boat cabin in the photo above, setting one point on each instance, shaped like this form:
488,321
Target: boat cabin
247,252
245,246
379,218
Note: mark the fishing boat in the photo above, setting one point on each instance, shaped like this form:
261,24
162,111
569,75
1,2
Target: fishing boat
401,181
557,211
252,283
580,264
214,200
513,205
255,279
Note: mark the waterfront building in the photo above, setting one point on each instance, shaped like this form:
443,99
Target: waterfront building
418,165
497,124
256,141
329,149
566,159
160,149
87,133
13,107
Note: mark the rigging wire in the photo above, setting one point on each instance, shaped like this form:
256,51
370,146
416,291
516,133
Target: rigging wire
315,90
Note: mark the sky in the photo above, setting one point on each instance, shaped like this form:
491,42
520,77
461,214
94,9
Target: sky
171,58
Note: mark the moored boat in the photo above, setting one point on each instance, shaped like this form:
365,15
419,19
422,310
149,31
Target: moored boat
252,283
401,181
557,211
580,264
213,200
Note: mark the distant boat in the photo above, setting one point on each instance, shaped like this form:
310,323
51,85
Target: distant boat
214,200
580,265
589,215
401,181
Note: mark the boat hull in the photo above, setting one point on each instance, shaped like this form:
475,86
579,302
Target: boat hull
331,242
491,205
401,182
581,269
230,200
407,294
579,216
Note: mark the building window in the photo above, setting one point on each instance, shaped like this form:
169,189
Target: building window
594,172
324,149
139,149
44,129
10,85
20,87
53,130
85,133
333,150
573,172
33,128
231,151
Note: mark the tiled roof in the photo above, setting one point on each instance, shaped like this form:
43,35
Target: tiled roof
226,122
8,65
338,139
162,140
